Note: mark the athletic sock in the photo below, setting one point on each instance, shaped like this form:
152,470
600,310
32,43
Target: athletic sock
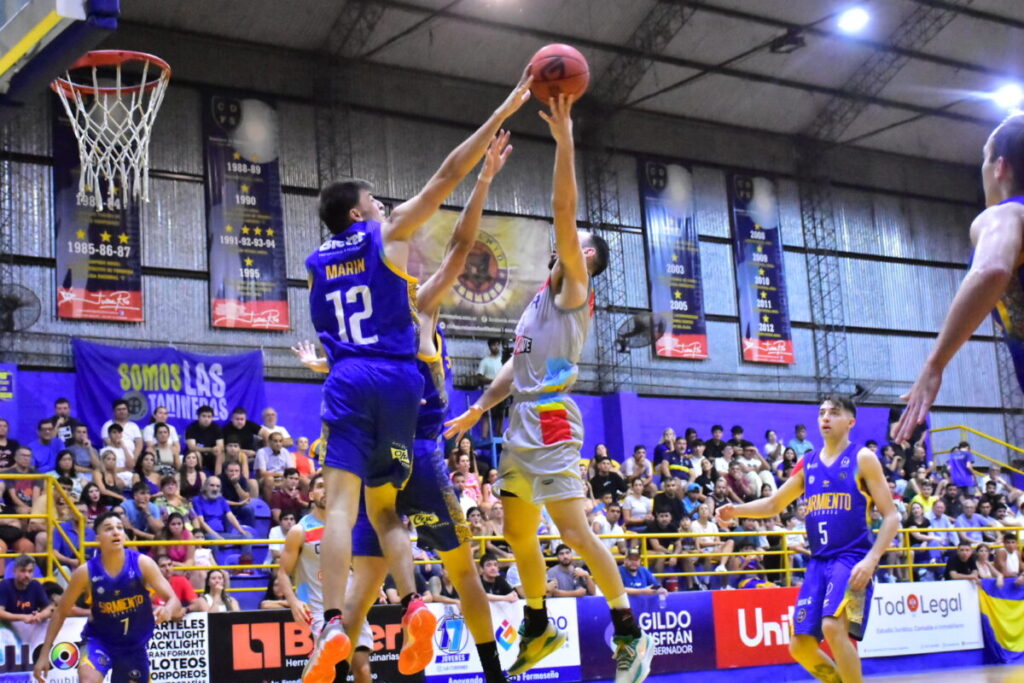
488,653
409,598
624,623
330,614
341,671
536,621
535,603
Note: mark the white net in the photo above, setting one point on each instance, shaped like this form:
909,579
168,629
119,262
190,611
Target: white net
112,114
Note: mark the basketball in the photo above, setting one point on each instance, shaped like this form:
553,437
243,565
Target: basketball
558,69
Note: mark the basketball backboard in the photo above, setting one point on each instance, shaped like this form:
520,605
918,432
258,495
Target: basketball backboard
40,38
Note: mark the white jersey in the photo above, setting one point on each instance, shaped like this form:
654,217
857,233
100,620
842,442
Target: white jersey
307,571
549,343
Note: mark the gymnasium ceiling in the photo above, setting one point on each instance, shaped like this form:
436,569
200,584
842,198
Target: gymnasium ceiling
933,60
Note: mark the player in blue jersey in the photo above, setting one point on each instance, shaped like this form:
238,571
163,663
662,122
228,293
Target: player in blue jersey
840,483
428,498
362,307
995,282
118,581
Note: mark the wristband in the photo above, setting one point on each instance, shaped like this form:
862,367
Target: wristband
485,181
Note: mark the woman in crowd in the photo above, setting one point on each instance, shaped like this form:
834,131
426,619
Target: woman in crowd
637,508
170,501
788,460
174,530
471,484
478,527
987,570
215,593
149,431
191,476
667,443
443,590
92,498
106,478
66,468
496,527
273,598
145,471
707,477
772,448
487,497
167,452
919,539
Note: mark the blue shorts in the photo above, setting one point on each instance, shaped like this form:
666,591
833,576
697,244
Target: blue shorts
429,501
127,665
825,593
369,412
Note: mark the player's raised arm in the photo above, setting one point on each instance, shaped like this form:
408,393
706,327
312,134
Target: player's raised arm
871,470
466,228
575,279
78,584
998,242
407,217
766,507
498,390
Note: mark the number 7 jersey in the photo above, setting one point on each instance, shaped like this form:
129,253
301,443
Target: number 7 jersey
838,505
360,303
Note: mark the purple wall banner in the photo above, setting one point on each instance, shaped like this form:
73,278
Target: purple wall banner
99,263
244,217
765,330
683,632
673,255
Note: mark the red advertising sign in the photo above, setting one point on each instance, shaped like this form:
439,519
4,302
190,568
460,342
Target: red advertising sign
753,627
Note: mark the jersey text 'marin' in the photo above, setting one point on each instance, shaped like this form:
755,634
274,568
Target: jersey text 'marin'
336,270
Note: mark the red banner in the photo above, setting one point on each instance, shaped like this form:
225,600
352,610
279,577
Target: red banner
753,627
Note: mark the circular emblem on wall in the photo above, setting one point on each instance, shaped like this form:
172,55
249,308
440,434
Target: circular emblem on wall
64,656
485,277
138,405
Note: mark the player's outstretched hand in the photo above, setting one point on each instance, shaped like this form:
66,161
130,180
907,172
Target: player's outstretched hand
860,575
919,401
42,666
559,120
305,352
301,613
161,614
497,154
518,96
726,513
463,423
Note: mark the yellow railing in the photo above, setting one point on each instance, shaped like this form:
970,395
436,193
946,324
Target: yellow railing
51,489
964,431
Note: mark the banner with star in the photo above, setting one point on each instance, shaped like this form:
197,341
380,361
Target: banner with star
673,255
765,331
244,214
99,264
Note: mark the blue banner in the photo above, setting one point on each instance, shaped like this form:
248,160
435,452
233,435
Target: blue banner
673,255
164,376
765,330
99,264
683,631
245,221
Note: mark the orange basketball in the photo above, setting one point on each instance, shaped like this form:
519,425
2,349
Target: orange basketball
558,69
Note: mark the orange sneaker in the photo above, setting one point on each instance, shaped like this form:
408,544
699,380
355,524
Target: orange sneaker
331,647
418,626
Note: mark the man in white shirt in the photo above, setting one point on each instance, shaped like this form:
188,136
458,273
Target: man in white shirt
638,467
278,533
270,424
609,522
131,432
271,460
486,371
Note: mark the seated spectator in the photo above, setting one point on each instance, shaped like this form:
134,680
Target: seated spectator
271,460
279,533
920,539
288,497
637,508
496,588
677,463
106,478
204,437
306,462
213,514
707,477
273,597
724,459
146,471
665,545
65,468
512,577
24,604
938,520
92,498
985,512
123,454
773,449
191,476
962,564
143,515
565,579
203,557
458,482
470,481
46,447
799,442
478,526
215,593
925,498
608,522
711,543
753,538
756,469
693,500
721,495
670,500
1003,484
66,541
443,590
19,497
270,426
638,467
953,500
715,447
391,590
132,435
488,498
186,595
171,501
237,492
64,424
175,529
607,481
248,434
796,543
970,518
87,459
987,570
233,453
149,436
739,485
496,527
1008,559
638,579
752,562
166,451
992,496
8,445
892,467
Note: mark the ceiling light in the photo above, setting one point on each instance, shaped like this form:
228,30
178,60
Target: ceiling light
1009,96
853,20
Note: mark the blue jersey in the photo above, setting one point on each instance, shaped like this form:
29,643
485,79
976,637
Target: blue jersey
122,613
1008,315
361,304
437,388
838,505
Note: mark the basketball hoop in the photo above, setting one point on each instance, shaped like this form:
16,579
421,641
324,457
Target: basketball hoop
111,98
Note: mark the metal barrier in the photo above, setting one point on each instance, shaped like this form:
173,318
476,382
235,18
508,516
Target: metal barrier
964,431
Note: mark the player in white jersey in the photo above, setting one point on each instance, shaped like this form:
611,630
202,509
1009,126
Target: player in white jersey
542,445
300,560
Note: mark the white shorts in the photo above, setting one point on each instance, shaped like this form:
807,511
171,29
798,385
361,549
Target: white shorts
541,454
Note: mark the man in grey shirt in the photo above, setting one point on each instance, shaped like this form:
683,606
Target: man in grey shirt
565,579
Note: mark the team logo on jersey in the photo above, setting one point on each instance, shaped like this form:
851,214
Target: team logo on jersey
400,453
425,519
801,614
485,277
845,462
810,480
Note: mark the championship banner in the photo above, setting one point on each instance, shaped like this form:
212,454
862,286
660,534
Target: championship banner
673,255
455,656
682,629
915,618
269,647
1002,613
244,214
760,277
506,267
163,376
99,263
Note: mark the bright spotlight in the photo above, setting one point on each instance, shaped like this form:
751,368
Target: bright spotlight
1009,96
854,20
